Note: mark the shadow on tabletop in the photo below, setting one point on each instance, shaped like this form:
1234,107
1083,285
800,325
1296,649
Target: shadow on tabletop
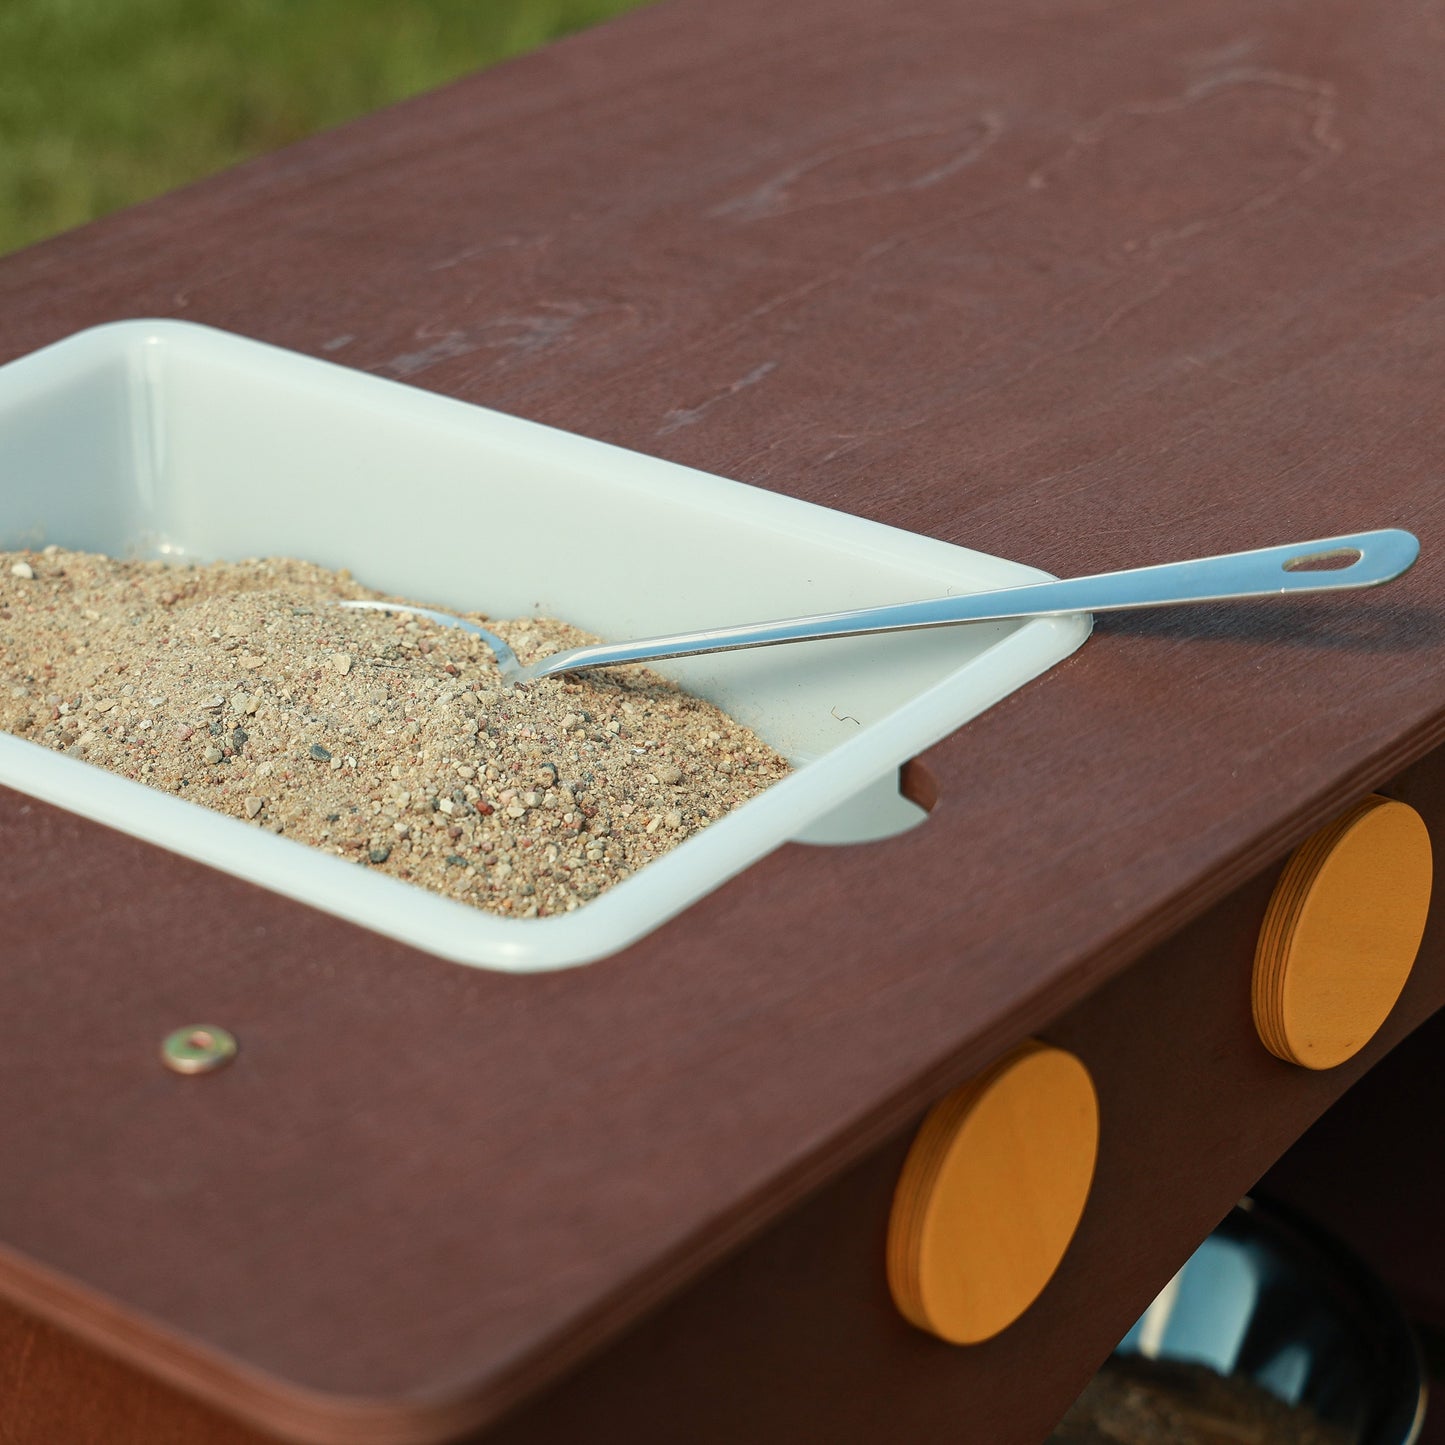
1337,623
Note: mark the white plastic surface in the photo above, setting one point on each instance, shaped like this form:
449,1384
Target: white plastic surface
161,438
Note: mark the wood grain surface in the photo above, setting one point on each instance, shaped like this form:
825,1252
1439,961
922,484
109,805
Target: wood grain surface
795,1337
1084,284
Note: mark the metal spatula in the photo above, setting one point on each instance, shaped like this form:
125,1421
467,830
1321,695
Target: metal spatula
1365,559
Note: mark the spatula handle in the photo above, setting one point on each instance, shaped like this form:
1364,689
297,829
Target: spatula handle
1362,559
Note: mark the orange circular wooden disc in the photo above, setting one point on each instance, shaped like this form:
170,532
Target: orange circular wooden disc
991,1194
1341,934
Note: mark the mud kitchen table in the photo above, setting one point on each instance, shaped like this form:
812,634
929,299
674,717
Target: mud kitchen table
1081,285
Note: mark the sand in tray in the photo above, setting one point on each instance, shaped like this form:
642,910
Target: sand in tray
385,739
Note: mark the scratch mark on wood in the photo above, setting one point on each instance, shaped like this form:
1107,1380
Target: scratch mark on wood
913,158
453,344
795,294
514,336
1182,182
1092,337
1233,53
488,248
689,416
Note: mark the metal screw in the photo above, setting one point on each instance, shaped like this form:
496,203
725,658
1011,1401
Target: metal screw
198,1049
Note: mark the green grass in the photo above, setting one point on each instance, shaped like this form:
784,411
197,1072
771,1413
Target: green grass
106,102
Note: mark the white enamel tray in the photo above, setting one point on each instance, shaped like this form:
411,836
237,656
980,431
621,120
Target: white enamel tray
161,438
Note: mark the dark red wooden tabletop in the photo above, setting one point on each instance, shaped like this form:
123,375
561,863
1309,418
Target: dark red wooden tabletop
1083,284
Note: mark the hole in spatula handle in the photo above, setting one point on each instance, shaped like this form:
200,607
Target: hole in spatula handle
1335,560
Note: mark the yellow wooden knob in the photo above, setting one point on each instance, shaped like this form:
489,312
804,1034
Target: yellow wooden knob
991,1194
1341,933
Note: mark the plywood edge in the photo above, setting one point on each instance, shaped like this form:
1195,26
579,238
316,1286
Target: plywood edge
309,1417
